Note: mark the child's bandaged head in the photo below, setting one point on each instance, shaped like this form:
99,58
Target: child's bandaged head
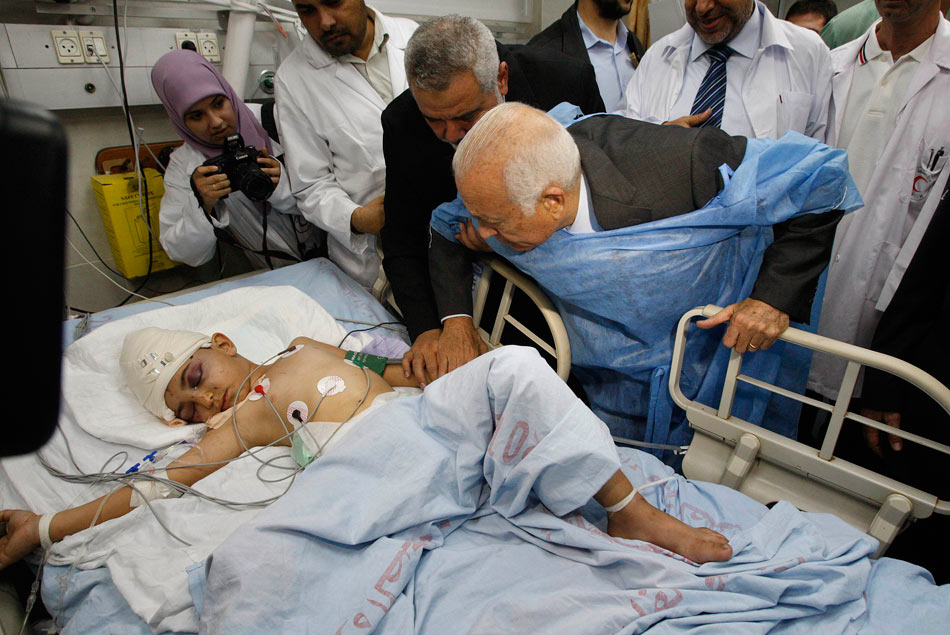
149,359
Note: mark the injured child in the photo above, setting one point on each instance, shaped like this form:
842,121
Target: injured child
311,394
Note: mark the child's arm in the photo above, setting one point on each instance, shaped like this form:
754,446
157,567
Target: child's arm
216,448
392,373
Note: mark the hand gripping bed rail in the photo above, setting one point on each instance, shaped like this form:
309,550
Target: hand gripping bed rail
769,467
561,348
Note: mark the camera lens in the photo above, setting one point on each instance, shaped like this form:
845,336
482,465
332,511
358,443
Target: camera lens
251,180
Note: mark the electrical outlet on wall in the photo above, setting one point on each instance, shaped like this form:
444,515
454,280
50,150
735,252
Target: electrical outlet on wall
208,46
67,45
186,40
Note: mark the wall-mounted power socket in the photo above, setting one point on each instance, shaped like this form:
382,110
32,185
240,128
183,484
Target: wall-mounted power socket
208,46
186,40
67,46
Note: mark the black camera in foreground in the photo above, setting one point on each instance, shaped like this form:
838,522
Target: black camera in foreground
239,163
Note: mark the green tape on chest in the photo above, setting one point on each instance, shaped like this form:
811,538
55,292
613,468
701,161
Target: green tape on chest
373,362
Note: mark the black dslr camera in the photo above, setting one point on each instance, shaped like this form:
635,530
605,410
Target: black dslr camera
239,163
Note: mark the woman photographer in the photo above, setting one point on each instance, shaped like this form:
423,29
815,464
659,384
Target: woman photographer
201,203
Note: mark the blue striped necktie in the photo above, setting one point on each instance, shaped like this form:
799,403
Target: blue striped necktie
712,91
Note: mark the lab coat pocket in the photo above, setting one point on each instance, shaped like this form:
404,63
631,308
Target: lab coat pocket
925,177
791,112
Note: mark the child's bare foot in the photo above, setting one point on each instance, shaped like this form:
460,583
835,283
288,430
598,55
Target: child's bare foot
642,521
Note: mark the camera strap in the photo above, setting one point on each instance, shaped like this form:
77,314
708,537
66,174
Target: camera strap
225,236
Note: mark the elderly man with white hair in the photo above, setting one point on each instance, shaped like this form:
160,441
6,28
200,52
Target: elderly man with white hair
601,215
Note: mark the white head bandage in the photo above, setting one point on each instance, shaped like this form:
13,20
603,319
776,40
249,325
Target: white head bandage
149,359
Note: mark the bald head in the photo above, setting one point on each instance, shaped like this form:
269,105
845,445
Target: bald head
515,164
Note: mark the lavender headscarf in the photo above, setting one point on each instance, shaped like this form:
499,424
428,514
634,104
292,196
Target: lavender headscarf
182,78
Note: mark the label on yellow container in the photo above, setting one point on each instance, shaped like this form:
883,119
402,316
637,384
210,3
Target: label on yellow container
118,198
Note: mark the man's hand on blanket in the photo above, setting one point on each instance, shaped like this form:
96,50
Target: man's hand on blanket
22,536
459,344
421,360
753,325
434,353
873,437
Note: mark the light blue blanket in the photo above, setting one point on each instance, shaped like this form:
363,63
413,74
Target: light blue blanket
440,514
621,292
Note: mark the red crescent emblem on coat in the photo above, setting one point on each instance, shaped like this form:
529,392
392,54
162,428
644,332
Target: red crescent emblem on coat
917,179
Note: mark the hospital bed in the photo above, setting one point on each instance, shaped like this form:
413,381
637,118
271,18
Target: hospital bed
71,591
24,483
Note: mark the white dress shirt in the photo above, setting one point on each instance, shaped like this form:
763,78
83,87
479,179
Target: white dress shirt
612,64
735,120
375,68
584,222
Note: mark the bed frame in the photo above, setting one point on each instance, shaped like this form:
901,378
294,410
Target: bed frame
496,270
769,467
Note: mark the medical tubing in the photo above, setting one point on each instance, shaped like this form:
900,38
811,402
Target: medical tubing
124,478
284,423
110,477
345,421
102,273
383,325
676,449
234,409
34,591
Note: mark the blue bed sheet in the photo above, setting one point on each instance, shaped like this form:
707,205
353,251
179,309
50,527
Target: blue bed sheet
451,512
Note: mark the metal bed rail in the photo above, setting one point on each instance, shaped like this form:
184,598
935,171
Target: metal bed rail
769,466
560,350
514,280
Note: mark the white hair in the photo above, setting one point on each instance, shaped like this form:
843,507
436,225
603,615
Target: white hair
538,152
452,44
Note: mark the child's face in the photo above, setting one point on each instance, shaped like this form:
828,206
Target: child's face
208,383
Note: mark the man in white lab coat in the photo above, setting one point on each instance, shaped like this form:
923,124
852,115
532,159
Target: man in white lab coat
777,75
891,110
330,94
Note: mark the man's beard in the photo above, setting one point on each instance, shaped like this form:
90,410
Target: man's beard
339,49
611,9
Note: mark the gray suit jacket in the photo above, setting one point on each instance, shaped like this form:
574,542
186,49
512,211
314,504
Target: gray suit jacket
639,172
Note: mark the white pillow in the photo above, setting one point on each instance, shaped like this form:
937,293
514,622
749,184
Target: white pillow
260,320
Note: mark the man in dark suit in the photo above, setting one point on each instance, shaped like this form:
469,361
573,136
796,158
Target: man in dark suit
619,160
456,73
592,32
914,328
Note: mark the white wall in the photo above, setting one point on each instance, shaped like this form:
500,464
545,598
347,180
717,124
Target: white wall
91,129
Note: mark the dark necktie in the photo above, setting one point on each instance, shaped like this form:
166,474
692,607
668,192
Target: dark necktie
712,91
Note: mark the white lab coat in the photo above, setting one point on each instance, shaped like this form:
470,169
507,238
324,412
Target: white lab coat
874,245
188,237
328,116
787,86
